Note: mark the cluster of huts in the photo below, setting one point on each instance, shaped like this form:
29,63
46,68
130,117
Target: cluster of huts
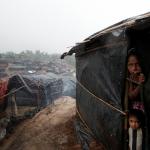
24,90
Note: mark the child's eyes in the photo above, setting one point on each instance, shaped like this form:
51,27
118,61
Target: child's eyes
134,121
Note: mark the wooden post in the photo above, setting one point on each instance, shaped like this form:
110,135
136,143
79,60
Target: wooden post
126,116
14,109
38,96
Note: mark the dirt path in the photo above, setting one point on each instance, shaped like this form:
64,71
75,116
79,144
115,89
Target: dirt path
50,129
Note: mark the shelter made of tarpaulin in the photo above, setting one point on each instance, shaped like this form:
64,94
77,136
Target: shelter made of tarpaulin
35,90
101,77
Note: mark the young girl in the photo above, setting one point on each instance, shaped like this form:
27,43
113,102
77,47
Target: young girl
136,123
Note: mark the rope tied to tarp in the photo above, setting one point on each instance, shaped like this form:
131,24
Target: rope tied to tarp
16,90
101,100
11,92
84,123
84,134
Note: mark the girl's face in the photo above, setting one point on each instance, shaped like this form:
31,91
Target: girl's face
133,65
134,122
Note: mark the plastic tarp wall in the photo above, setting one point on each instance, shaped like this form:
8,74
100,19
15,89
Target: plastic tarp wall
95,71
101,77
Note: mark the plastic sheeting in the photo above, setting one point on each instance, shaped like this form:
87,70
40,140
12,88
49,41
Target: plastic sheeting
39,90
95,71
69,86
101,74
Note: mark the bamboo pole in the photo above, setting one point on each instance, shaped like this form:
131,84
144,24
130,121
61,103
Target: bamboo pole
14,109
38,96
126,116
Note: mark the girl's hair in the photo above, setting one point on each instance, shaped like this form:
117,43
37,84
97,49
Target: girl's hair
139,115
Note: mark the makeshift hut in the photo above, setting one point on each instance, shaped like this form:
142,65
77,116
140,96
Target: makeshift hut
35,90
101,79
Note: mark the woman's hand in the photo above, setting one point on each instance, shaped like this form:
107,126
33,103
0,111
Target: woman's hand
141,78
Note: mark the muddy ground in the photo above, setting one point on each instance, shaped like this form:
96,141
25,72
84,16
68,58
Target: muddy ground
50,129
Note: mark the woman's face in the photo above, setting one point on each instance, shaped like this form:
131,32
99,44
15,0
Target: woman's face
133,65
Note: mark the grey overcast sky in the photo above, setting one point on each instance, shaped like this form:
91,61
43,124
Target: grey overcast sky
54,25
